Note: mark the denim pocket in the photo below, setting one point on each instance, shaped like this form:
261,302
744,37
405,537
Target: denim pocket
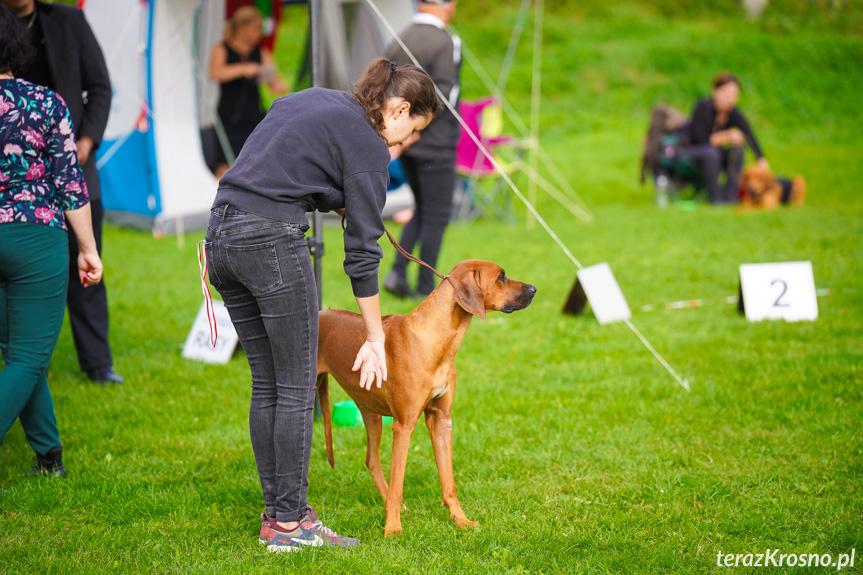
211,266
256,266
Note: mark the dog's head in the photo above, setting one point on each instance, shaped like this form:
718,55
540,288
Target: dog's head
483,286
755,180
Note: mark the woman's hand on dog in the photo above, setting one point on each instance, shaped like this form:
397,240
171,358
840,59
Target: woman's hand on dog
372,363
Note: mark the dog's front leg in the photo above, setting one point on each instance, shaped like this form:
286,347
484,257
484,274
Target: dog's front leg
402,432
439,422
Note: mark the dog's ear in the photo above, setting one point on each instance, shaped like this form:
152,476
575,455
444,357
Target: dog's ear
468,294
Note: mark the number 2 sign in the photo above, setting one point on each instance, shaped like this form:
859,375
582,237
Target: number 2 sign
778,291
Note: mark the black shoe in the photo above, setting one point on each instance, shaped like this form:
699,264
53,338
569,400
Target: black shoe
104,376
398,286
50,464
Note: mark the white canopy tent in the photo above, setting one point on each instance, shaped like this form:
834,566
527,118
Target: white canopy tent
151,160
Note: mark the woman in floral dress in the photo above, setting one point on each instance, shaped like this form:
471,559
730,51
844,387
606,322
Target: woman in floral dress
41,190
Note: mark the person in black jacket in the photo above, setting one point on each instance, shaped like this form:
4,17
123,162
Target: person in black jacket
69,61
717,134
315,149
429,164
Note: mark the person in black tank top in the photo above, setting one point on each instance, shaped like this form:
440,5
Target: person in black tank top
239,63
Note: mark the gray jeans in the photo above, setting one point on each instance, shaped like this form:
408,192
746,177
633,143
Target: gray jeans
263,271
713,161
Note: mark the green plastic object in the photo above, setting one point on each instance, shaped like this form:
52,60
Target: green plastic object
347,414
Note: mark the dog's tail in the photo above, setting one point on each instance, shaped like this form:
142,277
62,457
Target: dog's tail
798,190
323,386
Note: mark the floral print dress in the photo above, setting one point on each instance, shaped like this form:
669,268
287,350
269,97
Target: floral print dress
39,172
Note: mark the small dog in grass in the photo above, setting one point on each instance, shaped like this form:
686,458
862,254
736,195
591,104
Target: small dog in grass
761,189
421,348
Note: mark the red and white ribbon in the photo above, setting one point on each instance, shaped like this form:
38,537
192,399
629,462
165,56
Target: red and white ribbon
208,299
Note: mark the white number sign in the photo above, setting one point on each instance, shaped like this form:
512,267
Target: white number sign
603,293
778,291
198,343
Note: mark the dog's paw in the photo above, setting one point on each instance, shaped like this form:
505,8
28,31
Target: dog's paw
464,522
394,529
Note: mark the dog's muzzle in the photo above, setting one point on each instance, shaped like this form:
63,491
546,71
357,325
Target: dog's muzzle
522,300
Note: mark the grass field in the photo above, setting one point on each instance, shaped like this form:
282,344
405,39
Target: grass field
573,448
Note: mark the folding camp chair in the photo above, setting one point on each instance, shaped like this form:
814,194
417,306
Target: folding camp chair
676,177
483,191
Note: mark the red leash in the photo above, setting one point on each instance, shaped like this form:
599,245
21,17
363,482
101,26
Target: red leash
208,299
409,256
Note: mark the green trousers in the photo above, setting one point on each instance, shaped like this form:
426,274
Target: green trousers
34,274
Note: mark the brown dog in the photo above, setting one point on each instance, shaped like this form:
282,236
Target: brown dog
761,189
421,348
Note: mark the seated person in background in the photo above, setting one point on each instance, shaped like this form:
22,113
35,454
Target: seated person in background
716,136
239,63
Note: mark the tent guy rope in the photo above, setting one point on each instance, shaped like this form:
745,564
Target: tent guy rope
683,382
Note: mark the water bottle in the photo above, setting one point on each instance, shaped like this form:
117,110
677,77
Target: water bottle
660,191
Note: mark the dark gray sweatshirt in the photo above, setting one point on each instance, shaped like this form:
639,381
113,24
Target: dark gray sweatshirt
317,149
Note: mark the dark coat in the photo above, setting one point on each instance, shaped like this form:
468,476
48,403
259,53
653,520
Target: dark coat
78,68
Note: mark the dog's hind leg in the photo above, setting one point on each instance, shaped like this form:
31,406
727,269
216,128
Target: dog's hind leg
374,429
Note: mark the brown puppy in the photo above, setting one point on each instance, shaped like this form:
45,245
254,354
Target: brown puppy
421,348
763,190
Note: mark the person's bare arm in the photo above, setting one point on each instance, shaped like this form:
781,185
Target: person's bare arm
89,262
275,82
85,146
371,359
730,137
221,71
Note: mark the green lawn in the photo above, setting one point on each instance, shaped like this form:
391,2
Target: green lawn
574,449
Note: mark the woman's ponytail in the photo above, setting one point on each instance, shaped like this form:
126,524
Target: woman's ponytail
384,80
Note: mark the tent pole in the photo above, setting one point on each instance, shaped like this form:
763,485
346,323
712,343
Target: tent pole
316,241
181,232
514,39
536,87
